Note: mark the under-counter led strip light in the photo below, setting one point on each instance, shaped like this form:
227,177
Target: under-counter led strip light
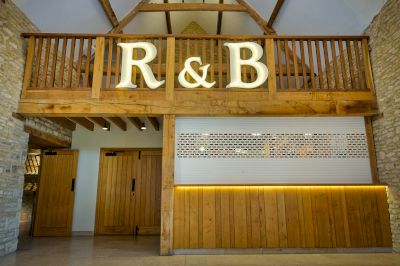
280,186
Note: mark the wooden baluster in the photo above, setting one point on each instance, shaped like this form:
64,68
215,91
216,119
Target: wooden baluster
220,75
343,65
204,55
159,61
187,55
228,66
351,66
71,62
109,61
279,51
117,62
196,53
141,55
270,56
287,61
135,69
62,64
320,72
180,56
311,61
79,65
303,64
212,66
335,65
296,71
37,62
361,82
88,59
54,63
28,65
46,63
244,67
327,64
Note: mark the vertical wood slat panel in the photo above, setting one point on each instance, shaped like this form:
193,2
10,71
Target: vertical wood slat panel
280,217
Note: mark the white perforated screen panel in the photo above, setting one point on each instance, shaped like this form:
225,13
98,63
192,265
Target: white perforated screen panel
271,150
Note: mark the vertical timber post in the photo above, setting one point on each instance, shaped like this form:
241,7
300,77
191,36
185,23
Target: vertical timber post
98,67
170,71
371,149
270,56
167,185
28,65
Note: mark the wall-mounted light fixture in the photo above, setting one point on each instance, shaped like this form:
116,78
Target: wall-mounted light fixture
143,127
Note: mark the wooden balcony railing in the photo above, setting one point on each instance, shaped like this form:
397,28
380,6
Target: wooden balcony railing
89,66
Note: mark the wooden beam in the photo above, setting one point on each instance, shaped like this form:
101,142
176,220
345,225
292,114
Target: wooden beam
208,102
371,150
219,22
275,13
154,122
168,20
61,121
128,18
257,17
99,121
152,7
45,140
105,4
136,122
118,122
18,116
83,122
167,186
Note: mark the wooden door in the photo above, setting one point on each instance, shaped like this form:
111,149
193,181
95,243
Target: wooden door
56,193
129,192
148,193
115,196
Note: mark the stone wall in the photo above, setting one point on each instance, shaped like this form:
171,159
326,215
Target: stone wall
384,32
13,139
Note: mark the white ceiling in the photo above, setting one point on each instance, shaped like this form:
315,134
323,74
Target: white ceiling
297,17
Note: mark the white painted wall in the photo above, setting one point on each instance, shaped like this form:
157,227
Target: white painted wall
89,143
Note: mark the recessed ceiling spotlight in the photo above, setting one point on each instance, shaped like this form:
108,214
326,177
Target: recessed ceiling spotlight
143,127
106,126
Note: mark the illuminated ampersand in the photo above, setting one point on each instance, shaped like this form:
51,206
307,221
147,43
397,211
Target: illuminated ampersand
199,80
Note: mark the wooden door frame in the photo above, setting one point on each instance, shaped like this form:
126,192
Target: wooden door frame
96,222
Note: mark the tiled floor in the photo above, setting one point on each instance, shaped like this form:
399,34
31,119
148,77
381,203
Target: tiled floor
144,251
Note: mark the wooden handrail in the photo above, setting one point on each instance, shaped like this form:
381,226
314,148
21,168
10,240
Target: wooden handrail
200,36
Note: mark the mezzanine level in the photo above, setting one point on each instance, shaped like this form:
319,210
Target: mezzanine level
78,74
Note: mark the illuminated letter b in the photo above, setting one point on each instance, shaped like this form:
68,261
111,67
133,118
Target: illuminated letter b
236,65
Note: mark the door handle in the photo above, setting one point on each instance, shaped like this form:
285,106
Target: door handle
73,184
133,184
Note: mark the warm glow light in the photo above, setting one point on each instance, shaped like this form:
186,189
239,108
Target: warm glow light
279,186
